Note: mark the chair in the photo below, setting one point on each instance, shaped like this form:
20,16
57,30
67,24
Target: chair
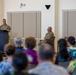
64,64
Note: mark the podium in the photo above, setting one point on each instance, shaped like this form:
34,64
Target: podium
4,39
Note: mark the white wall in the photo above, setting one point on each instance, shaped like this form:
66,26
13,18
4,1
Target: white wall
65,5
48,16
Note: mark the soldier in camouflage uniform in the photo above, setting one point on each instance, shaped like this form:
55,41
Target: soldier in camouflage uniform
49,37
5,26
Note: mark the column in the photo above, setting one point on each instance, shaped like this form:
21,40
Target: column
1,10
56,24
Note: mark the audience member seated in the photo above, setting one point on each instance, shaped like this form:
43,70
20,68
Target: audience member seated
18,44
63,56
6,64
46,59
1,57
30,44
20,64
72,46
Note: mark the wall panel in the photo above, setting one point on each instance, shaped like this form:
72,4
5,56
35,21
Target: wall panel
65,23
25,24
69,23
30,24
72,23
17,24
9,21
38,24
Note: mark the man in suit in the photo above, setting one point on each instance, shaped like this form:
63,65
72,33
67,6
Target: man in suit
4,26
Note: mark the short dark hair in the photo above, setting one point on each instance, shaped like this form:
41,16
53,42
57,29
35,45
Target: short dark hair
20,61
62,44
71,40
46,51
30,42
10,50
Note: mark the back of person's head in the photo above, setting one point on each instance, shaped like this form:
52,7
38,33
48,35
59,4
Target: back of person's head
18,41
20,63
30,42
10,50
71,40
46,52
62,44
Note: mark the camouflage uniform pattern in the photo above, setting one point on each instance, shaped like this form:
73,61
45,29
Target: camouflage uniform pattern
50,37
5,27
